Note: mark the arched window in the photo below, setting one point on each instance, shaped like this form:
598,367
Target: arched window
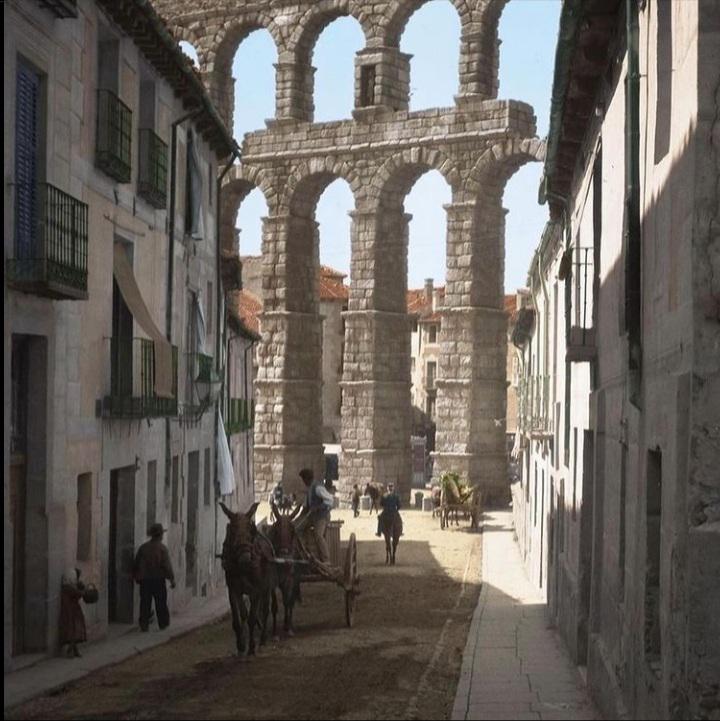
334,221
427,230
189,50
432,37
334,60
254,75
249,223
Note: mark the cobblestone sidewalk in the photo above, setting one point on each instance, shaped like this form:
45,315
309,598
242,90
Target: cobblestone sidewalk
53,673
514,667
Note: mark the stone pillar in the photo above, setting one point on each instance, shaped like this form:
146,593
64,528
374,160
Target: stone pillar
294,84
382,80
288,412
376,379
221,88
479,63
472,380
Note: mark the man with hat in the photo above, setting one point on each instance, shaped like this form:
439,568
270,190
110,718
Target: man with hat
316,515
151,569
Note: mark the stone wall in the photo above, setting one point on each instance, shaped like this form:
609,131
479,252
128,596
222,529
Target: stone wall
476,145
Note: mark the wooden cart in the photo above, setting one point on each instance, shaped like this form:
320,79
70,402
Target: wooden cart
451,506
345,576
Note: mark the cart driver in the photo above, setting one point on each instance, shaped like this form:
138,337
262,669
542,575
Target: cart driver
316,513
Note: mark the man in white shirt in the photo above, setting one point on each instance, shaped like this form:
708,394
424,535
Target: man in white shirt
318,504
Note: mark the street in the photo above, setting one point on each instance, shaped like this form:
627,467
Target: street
401,660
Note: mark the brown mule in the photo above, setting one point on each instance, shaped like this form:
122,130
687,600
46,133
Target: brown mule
392,527
284,540
247,559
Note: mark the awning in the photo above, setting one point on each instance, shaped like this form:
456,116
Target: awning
131,293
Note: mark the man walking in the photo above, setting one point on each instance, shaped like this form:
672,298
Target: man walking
152,568
318,504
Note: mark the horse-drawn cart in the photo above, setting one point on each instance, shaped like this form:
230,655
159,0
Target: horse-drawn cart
345,576
456,499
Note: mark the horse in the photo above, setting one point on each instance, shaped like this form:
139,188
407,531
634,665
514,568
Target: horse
375,491
247,559
392,527
283,537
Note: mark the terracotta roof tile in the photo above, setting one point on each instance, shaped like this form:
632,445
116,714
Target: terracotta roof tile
331,284
245,307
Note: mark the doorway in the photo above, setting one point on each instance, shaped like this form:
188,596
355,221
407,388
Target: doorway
122,545
192,520
28,486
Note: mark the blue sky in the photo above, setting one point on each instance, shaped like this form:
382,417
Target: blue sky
528,30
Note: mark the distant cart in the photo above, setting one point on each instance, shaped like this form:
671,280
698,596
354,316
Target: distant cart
454,502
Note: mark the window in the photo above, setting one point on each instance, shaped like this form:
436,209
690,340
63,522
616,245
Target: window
432,333
663,100
653,515
28,144
367,85
206,478
209,308
194,224
153,151
431,370
151,499
175,507
84,516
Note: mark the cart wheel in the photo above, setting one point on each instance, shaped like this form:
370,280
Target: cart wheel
350,580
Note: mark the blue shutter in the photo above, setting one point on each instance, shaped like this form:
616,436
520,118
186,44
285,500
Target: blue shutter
27,104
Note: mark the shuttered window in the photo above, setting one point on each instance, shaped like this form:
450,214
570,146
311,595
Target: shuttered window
27,129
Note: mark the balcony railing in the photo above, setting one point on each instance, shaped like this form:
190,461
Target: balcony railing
152,169
114,136
51,243
132,381
240,415
581,337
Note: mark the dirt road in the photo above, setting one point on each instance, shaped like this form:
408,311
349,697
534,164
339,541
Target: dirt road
401,659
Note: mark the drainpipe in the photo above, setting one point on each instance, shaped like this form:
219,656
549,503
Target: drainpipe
248,397
171,264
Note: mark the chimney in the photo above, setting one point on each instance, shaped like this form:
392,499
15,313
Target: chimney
428,289
437,299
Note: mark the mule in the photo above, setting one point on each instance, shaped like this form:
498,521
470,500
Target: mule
283,537
247,559
391,527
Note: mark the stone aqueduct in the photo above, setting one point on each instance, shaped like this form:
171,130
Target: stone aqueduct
476,145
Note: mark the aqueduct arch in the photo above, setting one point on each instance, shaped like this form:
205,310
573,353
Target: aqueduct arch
476,146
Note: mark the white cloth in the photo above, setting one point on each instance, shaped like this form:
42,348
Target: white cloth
226,474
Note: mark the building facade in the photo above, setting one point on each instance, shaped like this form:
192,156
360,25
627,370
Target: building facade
618,508
114,312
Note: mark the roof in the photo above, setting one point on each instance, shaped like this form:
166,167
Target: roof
331,286
418,304
244,308
586,30
139,20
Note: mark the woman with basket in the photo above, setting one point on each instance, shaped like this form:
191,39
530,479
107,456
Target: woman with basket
72,619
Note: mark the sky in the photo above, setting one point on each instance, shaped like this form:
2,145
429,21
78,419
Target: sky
528,30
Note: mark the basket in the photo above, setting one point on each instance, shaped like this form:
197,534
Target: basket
91,594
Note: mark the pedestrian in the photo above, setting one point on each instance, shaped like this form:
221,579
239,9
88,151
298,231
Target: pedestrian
72,619
316,514
355,500
151,570
390,503
277,496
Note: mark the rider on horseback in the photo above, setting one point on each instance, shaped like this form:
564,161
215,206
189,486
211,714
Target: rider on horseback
390,503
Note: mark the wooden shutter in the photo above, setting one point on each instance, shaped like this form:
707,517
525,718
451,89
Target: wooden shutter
27,107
